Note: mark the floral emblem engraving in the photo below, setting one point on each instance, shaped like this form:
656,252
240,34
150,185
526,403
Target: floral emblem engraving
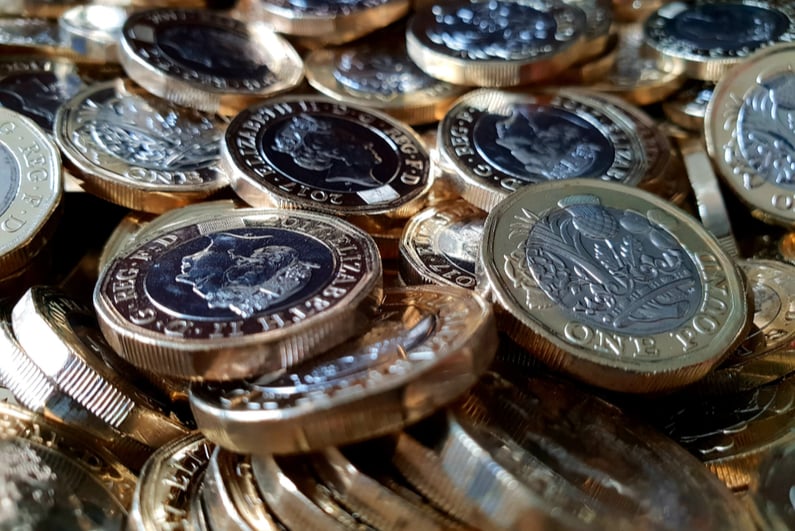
384,74
613,268
244,274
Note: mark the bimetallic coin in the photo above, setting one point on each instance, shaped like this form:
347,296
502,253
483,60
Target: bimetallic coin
440,245
249,292
704,38
592,70
314,153
540,454
382,77
168,484
747,136
327,21
774,494
204,60
93,31
27,34
732,433
36,87
62,338
688,107
634,76
426,346
232,497
612,285
635,10
598,20
496,43
139,151
498,142
29,191
55,478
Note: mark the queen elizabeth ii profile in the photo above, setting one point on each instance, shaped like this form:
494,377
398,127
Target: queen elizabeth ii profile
243,274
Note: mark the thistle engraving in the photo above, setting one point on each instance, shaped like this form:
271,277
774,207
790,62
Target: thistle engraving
244,274
765,131
494,30
613,268
385,74
129,128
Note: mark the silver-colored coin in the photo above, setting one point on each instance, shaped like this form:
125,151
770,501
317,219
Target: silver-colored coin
93,31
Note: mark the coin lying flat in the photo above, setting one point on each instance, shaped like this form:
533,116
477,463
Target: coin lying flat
249,292
747,136
612,285
314,153
540,454
166,51
705,38
498,142
55,477
168,484
140,151
382,77
426,346
440,245
30,191
487,43
93,31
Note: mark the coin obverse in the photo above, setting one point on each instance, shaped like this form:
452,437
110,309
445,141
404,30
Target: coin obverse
612,285
249,292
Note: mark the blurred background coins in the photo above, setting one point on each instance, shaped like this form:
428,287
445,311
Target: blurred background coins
748,137
93,31
314,153
489,44
246,293
704,38
30,191
427,346
205,60
138,150
612,285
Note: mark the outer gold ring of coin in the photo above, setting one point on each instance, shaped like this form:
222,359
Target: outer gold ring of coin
740,126
117,479
32,166
600,350
168,483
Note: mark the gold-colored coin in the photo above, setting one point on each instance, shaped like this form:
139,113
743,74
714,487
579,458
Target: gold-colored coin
612,285
748,137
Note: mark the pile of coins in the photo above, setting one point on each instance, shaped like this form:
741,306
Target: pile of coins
373,264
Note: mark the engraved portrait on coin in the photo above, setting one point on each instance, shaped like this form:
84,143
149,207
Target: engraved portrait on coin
459,243
240,272
341,156
493,30
9,184
382,73
535,143
613,268
323,155
129,128
38,95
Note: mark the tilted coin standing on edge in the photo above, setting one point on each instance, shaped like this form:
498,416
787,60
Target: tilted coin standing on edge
54,477
704,38
381,76
207,61
688,107
314,153
748,136
168,484
612,285
440,245
497,142
490,44
328,22
249,292
30,191
426,346
138,150
541,454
